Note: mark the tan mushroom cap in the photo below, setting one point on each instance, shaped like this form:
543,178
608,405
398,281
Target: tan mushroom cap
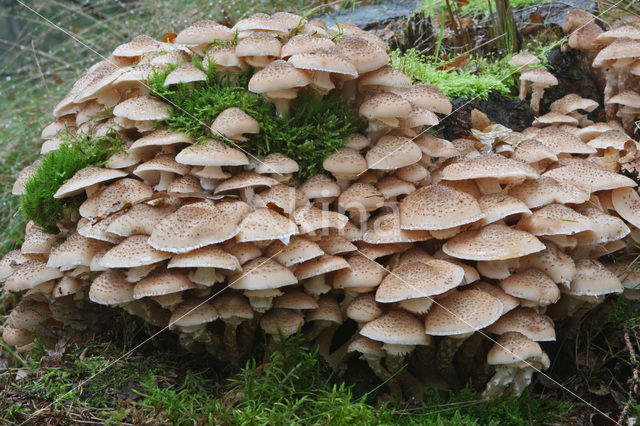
524,59
11,260
629,275
396,327
278,75
512,348
428,96
539,77
385,228
29,274
393,152
23,177
185,73
258,48
299,249
596,129
133,252
324,60
499,206
508,302
561,142
554,118
232,123
573,102
624,48
142,108
111,288
265,224
232,305
328,311
419,279
435,147
364,308
386,107
437,207
192,226
386,78
535,326
367,347
193,312
277,163
245,180
260,22
262,273
493,242
283,322
285,197
391,187
462,312
139,219
310,218
623,31
74,251
361,196
159,138
160,284
555,219
374,251
203,31
27,314
17,338
546,190
488,166
589,177
138,46
626,202
295,299
320,186
613,139
206,257
333,242
244,252
553,262
85,178
212,153
362,272
357,141
320,265
304,43
35,240
345,164
113,197
152,170
592,278
532,285
225,59
365,56
606,228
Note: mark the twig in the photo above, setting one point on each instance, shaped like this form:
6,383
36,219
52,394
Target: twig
635,376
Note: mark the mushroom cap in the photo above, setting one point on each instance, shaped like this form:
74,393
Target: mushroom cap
365,56
435,147
554,118
225,59
311,218
74,251
232,305
29,274
185,73
498,206
259,44
462,312
533,285
573,102
232,123
393,152
260,22
283,322
166,282
589,177
428,96
320,265
437,207
23,177
396,327
295,299
11,260
553,262
304,43
535,326
113,197
555,219
524,59
613,139
278,75
138,46
212,153
27,314
367,347
111,288
606,228
206,257
245,180
391,186
508,302
361,196
133,252
277,163
345,163
203,32
299,249
142,108
324,60
488,166
357,141
561,142
160,137
385,228
244,252
283,196
387,78
333,242
626,202
626,98
84,178
623,48
419,279
364,308
328,310
512,348
320,186
192,226
265,224
593,279
624,31
362,272
35,240
493,242
262,273
590,132
546,190
539,77
385,105
192,313
139,219
629,275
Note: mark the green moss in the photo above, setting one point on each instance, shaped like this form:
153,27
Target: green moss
314,129
77,152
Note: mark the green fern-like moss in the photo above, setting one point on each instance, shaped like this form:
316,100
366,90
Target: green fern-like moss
314,129
77,152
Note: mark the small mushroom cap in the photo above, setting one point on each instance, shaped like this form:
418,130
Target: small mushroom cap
499,206
75,250
361,272
17,338
613,139
385,78
539,77
311,218
512,348
546,190
265,224
462,312
334,242
283,196
364,308
345,164
573,102
133,252
554,118
593,279
533,285
192,226
185,73
419,279
225,59
138,46
29,274
320,265
508,302
555,219
589,177
624,31
561,142
203,32
359,197
430,97
159,138
11,260
629,275
435,147
553,262
259,44
488,166
206,257
524,59
111,288
212,153
365,56
367,347
385,228
493,242
437,207
606,228
393,152
113,197
626,202
277,163
295,299
192,313
232,123
139,219
260,22
624,48
391,186
304,43
23,177
142,108
283,322
160,284
324,60
299,249
262,273
278,75
385,105
535,326
328,310
27,314
232,305
320,186
36,240
396,327
357,141
84,178
245,180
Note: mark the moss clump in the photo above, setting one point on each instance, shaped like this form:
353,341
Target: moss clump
314,129
77,152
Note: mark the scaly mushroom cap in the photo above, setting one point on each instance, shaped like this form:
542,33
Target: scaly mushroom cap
225,59
160,138
512,348
265,224
386,78
36,240
133,252
75,251
295,299
385,106
624,48
615,139
393,152
397,328
320,265
276,163
320,186
333,242
367,347
419,279
192,313
185,73
29,274
357,141
553,262
365,56
114,196
151,171
283,322
139,219
203,32
11,260
524,60
212,153
535,326
232,305
391,186
361,272
245,180
111,288
205,257
160,284
606,228
286,197
540,77
508,302
462,312
361,196
142,108
232,123
192,226
298,250
593,279
554,118
626,201
278,75
262,273
560,142
429,97
573,102
437,207
493,242
324,60
499,206
328,310
311,218
488,166
546,190
304,43
27,314
555,219
589,177
435,147
259,44
385,228
138,46
260,22
23,177
624,31
85,178
533,285
345,164
364,308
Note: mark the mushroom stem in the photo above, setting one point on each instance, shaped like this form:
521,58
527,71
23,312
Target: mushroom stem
502,378
229,339
524,88
536,96
165,180
206,276
521,380
444,358
282,107
489,185
610,89
383,374
90,190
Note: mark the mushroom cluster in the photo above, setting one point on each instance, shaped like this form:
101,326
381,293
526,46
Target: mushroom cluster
616,54
417,244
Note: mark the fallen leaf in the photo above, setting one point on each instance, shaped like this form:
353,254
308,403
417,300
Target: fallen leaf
459,63
169,37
